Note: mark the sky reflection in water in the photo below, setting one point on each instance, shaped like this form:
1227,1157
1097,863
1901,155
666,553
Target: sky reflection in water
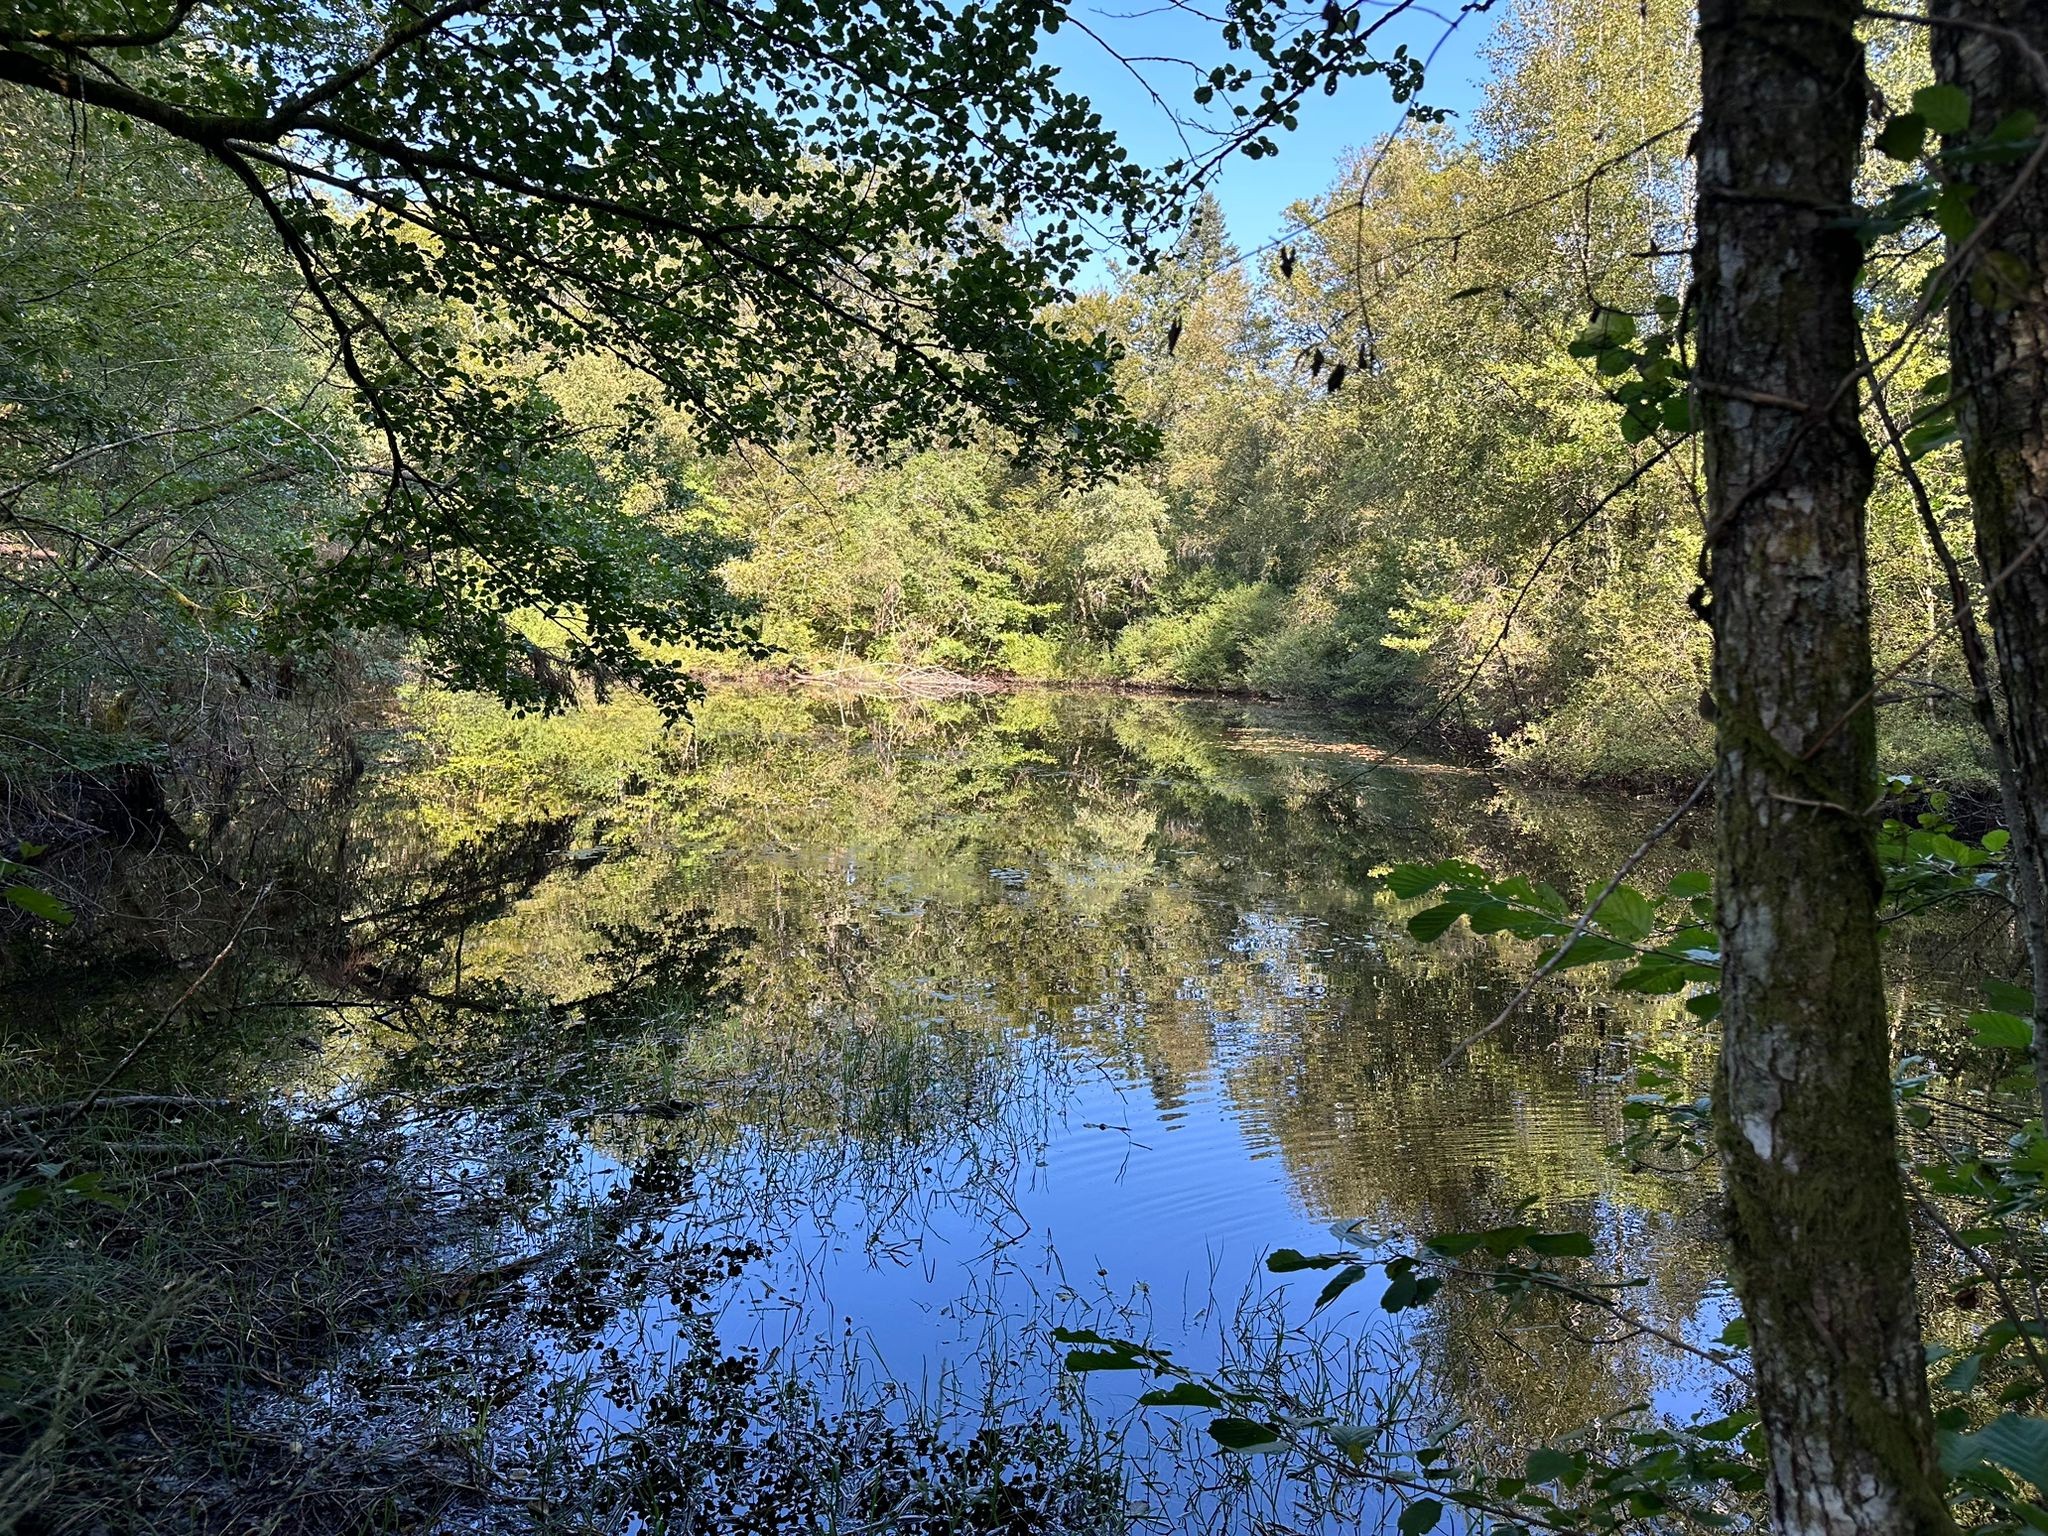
1060,1010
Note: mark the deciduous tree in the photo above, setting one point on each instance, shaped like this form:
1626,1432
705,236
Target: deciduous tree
1816,1209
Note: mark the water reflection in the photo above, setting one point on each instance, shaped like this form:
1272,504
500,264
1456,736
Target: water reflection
972,1018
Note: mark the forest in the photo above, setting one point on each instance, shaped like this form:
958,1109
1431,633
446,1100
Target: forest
745,787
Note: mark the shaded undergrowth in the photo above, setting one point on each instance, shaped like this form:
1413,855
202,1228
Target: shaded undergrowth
172,1258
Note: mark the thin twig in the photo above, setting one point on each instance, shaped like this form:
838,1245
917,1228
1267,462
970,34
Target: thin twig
142,1043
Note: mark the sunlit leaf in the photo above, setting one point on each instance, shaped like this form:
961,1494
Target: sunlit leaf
1944,108
1627,914
2002,1031
1408,881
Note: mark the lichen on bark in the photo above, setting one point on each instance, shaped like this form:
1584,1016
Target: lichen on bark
1817,1218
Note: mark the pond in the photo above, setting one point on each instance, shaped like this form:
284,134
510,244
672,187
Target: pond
815,1065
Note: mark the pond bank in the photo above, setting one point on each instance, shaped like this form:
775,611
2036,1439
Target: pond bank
1419,733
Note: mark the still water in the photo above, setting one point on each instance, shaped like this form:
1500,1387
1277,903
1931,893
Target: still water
938,1025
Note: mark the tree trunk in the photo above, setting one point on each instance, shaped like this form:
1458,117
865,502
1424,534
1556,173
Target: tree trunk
1816,1207
1998,377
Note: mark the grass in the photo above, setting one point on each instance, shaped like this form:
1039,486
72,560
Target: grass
170,1258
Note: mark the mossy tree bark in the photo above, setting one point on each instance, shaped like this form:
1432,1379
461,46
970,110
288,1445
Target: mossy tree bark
1817,1212
1998,377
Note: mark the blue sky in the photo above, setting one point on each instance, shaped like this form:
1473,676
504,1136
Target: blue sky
1255,194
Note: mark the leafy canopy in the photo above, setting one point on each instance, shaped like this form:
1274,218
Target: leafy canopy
836,223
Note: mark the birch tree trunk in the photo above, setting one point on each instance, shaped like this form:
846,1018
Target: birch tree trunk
1817,1214
1998,377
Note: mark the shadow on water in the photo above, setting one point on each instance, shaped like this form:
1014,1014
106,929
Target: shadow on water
781,1086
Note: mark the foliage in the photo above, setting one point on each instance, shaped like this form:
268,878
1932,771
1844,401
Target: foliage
853,246
1492,521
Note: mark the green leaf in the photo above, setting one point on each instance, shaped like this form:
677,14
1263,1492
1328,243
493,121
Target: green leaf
38,904
1592,949
1340,1282
1498,1241
1996,839
1944,108
1962,1376
2012,138
2018,1444
1903,137
1420,1517
1730,1427
1101,1360
1408,881
1658,975
1246,1436
1354,1440
1693,882
1287,1261
1627,914
1561,1245
1952,215
1533,925
1432,923
1609,328
1497,916
1736,1334
91,1185
1548,1465
2014,127
2000,280
1923,440
2002,1031
1399,1294
1182,1394
2009,998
